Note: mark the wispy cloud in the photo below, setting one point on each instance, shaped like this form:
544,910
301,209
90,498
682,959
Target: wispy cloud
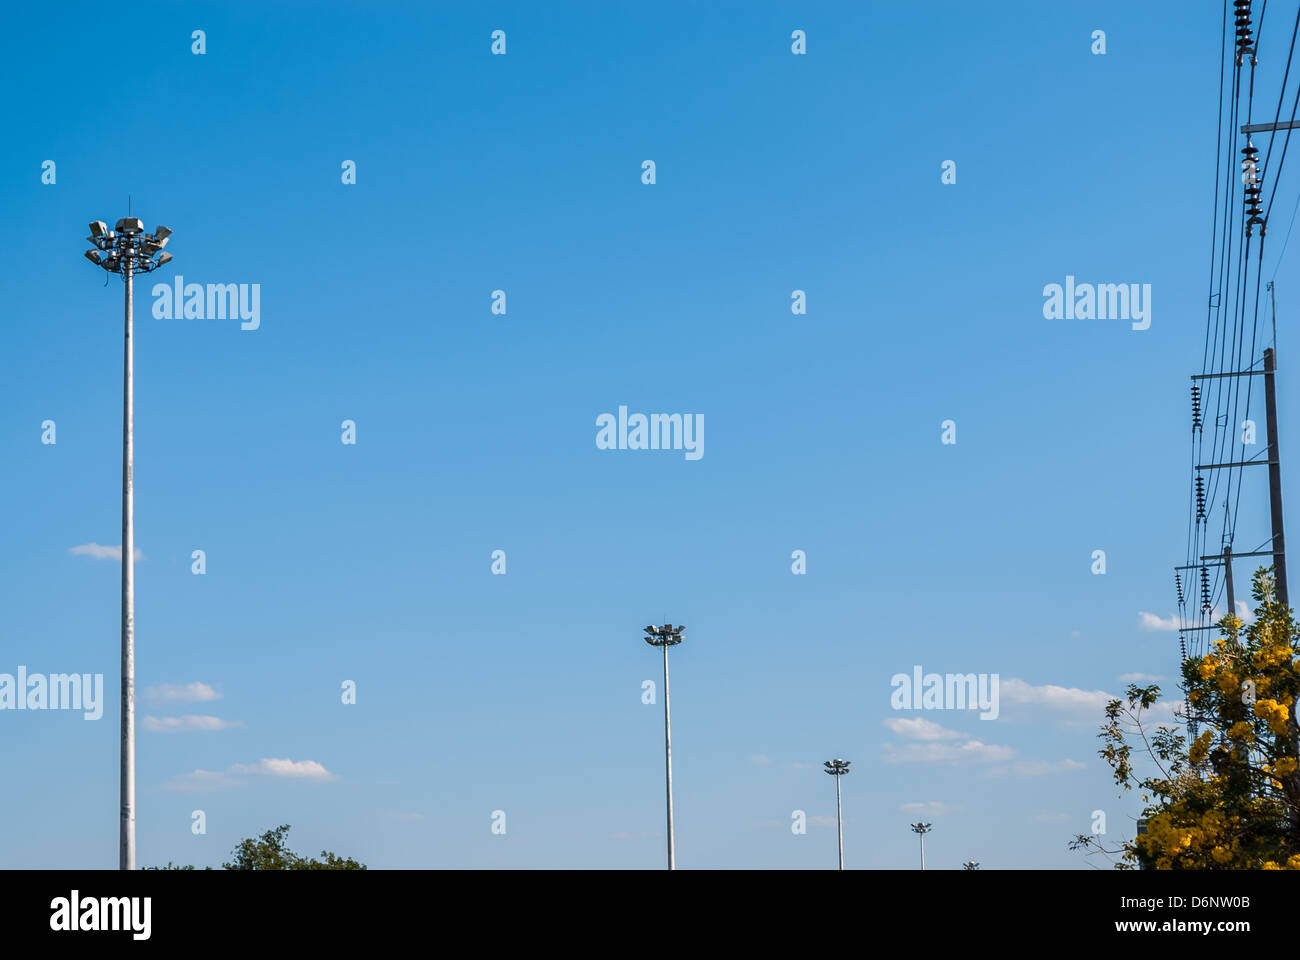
101,552
294,769
761,760
930,808
235,775
953,754
195,692
1150,621
1075,700
1034,768
186,724
1138,678
203,780
919,728
1073,706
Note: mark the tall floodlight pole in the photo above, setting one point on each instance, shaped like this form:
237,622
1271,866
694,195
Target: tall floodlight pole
128,250
837,768
921,829
970,865
667,636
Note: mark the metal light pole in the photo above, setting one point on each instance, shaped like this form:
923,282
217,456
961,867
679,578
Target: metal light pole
837,768
921,829
667,636
128,250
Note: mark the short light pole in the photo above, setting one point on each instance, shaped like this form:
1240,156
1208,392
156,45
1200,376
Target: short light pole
921,829
667,636
837,768
128,250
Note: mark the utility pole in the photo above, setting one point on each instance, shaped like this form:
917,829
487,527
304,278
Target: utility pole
1275,477
1227,579
667,636
837,768
129,249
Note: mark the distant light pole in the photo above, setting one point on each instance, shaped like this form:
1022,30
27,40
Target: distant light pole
837,768
922,829
667,636
970,865
129,250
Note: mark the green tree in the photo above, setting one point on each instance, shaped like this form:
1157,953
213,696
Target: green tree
1230,797
270,852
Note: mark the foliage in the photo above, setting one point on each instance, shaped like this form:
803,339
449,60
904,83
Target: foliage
270,852
1226,795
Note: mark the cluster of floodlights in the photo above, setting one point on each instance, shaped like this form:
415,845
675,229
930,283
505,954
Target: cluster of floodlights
665,636
837,767
128,246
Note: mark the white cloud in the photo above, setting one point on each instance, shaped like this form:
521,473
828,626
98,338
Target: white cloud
1017,692
100,552
972,751
804,766
1138,678
195,692
919,728
761,760
1035,768
233,775
295,769
1075,706
931,808
820,821
202,780
1150,621
186,724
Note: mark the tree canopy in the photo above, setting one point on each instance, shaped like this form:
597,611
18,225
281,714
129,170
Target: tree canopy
1223,791
270,852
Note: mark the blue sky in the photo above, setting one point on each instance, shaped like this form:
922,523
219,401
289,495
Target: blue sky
476,432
